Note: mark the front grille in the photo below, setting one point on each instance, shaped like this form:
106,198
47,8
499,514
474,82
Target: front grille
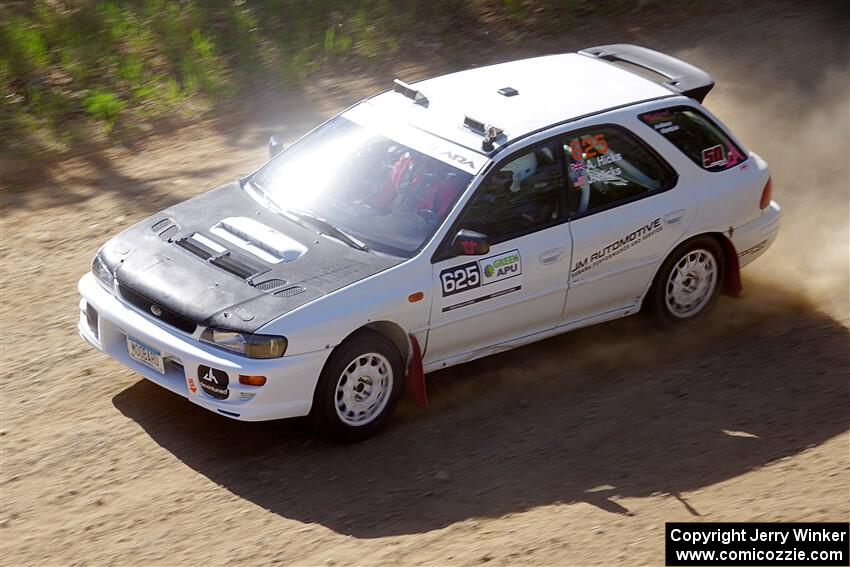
166,315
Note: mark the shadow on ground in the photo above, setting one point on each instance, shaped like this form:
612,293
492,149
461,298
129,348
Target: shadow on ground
610,412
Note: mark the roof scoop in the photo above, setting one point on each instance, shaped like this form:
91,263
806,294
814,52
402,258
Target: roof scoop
258,239
416,96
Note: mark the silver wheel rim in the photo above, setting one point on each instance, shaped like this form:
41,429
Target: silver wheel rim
691,283
363,389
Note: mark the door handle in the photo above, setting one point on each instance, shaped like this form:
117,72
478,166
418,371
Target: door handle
675,217
551,256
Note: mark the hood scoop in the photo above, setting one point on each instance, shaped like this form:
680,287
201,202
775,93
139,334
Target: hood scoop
217,255
258,239
201,246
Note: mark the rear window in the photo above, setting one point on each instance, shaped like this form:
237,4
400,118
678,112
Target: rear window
696,136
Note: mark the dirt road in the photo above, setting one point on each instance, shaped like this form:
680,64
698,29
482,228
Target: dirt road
573,451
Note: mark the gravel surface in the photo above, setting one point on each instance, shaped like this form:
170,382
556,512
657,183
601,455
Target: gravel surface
572,451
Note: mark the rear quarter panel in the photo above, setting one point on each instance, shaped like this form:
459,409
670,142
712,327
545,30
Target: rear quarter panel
727,199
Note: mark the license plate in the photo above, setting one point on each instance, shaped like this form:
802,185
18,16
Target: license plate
145,354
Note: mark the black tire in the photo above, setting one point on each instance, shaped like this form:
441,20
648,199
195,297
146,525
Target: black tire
657,302
355,353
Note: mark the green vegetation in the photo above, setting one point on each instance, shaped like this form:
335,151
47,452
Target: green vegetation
69,67
74,71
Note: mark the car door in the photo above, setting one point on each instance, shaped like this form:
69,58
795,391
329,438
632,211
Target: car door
627,209
518,287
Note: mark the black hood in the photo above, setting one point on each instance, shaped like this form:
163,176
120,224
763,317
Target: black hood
223,260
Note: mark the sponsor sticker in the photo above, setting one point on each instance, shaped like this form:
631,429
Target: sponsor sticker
501,267
616,247
214,382
472,275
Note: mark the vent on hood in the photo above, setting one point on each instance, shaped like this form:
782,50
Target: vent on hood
160,225
290,291
236,266
269,285
166,229
260,240
200,246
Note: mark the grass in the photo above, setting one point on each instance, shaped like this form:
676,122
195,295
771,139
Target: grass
75,70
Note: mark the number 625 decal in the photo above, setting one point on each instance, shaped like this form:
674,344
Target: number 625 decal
460,278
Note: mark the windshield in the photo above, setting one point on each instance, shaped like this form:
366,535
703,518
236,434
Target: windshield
384,193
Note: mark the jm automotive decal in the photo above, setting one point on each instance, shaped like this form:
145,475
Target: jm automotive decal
484,272
616,247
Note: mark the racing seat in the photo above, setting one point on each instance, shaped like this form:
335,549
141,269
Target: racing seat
440,195
384,198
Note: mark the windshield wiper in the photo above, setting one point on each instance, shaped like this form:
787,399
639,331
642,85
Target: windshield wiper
263,193
327,228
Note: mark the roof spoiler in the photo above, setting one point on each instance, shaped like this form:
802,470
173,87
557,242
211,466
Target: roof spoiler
682,77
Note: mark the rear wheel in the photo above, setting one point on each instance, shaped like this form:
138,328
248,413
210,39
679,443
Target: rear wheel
688,282
358,388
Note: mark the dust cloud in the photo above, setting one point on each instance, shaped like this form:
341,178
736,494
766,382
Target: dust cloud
809,164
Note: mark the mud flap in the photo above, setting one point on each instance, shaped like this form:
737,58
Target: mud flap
732,281
416,375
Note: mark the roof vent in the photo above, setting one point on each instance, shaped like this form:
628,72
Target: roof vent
508,91
416,96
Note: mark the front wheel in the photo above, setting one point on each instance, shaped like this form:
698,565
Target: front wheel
358,388
688,282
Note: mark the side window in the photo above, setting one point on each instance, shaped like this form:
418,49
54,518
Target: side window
607,166
520,196
696,136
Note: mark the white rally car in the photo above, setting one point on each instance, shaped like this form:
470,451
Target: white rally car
431,225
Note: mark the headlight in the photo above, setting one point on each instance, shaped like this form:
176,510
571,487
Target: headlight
101,272
252,346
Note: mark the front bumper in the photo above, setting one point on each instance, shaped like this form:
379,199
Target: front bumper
290,383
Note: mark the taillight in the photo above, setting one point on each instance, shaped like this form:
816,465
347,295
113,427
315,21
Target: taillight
766,194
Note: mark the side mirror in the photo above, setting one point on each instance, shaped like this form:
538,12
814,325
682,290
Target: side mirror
276,145
470,243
